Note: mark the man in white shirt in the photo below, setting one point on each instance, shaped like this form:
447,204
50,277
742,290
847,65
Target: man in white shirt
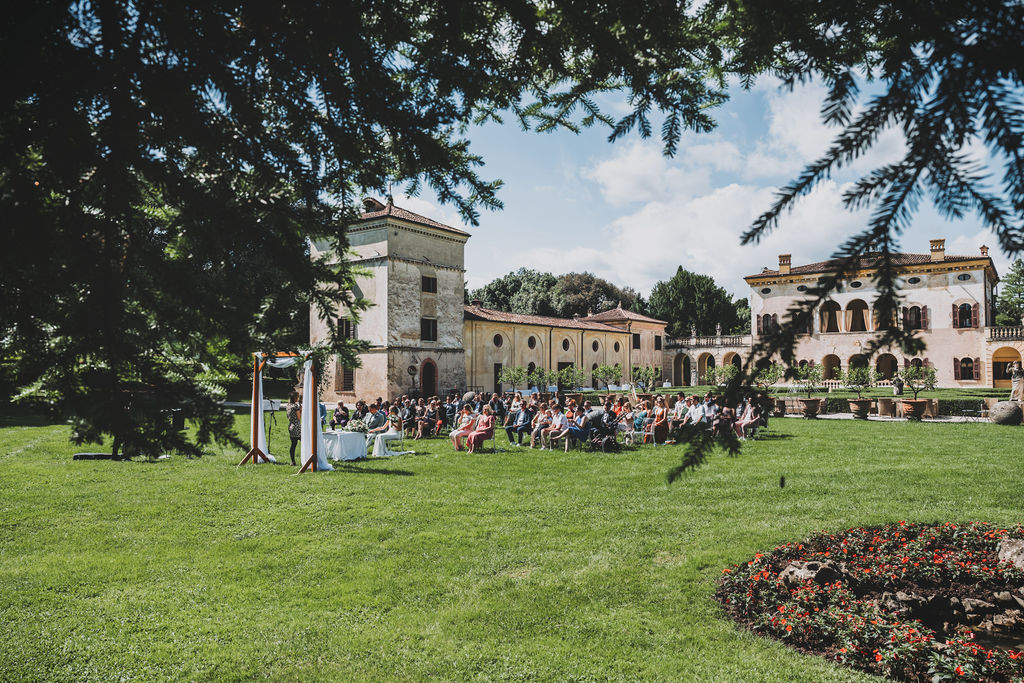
559,424
696,414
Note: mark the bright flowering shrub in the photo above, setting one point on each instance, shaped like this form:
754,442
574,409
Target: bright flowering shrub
846,621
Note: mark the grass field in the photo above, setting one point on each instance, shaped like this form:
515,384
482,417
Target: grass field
522,565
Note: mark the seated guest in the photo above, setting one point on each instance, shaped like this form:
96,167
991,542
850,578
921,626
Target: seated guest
464,427
451,411
520,423
340,417
497,408
484,430
541,421
426,422
750,418
678,413
695,415
556,429
579,428
724,421
640,416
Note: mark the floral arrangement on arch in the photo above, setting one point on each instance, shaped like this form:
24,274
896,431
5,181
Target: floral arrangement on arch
903,600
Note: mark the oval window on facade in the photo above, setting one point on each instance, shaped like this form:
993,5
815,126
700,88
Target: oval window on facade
616,347
532,342
498,341
856,284
565,344
913,280
766,290
963,277
802,288
595,346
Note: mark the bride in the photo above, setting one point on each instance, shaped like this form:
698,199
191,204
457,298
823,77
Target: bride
394,433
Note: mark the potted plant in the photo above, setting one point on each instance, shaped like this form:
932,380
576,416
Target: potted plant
515,375
917,380
809,379
768,377
859,379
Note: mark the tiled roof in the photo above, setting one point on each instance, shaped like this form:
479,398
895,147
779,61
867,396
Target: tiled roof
864,263
481,313
623,314
404,214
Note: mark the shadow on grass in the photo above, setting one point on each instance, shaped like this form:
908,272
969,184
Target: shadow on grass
356,469
21,416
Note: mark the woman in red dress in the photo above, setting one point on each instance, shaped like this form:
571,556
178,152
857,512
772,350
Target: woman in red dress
484,430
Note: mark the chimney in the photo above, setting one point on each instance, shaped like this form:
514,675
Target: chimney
938,250
984,250
784,262
477,302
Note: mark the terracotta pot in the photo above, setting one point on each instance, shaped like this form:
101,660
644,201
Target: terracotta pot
913,408
860,407
810,407
779,406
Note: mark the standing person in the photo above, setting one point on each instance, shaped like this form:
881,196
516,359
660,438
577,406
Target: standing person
294,412
484,430
659,427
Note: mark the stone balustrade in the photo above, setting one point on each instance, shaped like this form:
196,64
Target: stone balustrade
1008,333
730,340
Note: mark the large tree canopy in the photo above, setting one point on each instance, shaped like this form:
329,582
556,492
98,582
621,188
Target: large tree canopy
525,291
1010,304
163,165
584,293
690,301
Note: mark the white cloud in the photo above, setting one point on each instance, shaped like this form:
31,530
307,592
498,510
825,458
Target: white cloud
702,234
639,172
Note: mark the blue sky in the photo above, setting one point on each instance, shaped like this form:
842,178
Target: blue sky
627,213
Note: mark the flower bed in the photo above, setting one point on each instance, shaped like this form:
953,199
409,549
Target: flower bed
904,600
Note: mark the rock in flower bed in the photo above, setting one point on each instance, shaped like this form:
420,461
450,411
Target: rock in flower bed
903,600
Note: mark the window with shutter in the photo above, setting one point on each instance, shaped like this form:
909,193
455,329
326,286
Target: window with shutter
956,369
760,326
927,363
906,318
956,317
775,322
924,318
975,316
977,368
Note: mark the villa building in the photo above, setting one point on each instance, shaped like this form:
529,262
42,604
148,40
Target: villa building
949,299
423,340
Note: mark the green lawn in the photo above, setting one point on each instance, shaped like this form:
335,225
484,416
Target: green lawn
511,566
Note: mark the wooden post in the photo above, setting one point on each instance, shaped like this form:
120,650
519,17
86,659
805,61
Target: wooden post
254,454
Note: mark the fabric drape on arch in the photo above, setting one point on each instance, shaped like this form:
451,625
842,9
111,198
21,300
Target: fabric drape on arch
314,456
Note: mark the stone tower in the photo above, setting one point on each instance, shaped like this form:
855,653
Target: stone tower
415,279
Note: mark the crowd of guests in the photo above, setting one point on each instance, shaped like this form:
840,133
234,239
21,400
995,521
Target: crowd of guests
472,419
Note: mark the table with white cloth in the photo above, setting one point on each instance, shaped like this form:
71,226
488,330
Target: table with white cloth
344,445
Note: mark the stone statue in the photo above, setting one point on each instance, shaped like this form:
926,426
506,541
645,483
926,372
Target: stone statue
1017,380
897,386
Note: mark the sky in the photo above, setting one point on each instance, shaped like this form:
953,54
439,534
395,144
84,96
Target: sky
627,213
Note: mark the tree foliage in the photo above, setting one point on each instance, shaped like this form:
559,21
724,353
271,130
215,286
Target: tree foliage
692,301
608,374
1010,303
515,375
585,293
525,291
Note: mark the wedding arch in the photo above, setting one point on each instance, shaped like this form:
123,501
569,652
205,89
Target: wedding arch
312,452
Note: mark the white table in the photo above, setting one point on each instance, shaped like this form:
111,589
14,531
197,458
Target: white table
344,445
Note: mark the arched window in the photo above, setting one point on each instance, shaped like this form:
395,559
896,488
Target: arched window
830,317
529,371
964,316
964,368
857,316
